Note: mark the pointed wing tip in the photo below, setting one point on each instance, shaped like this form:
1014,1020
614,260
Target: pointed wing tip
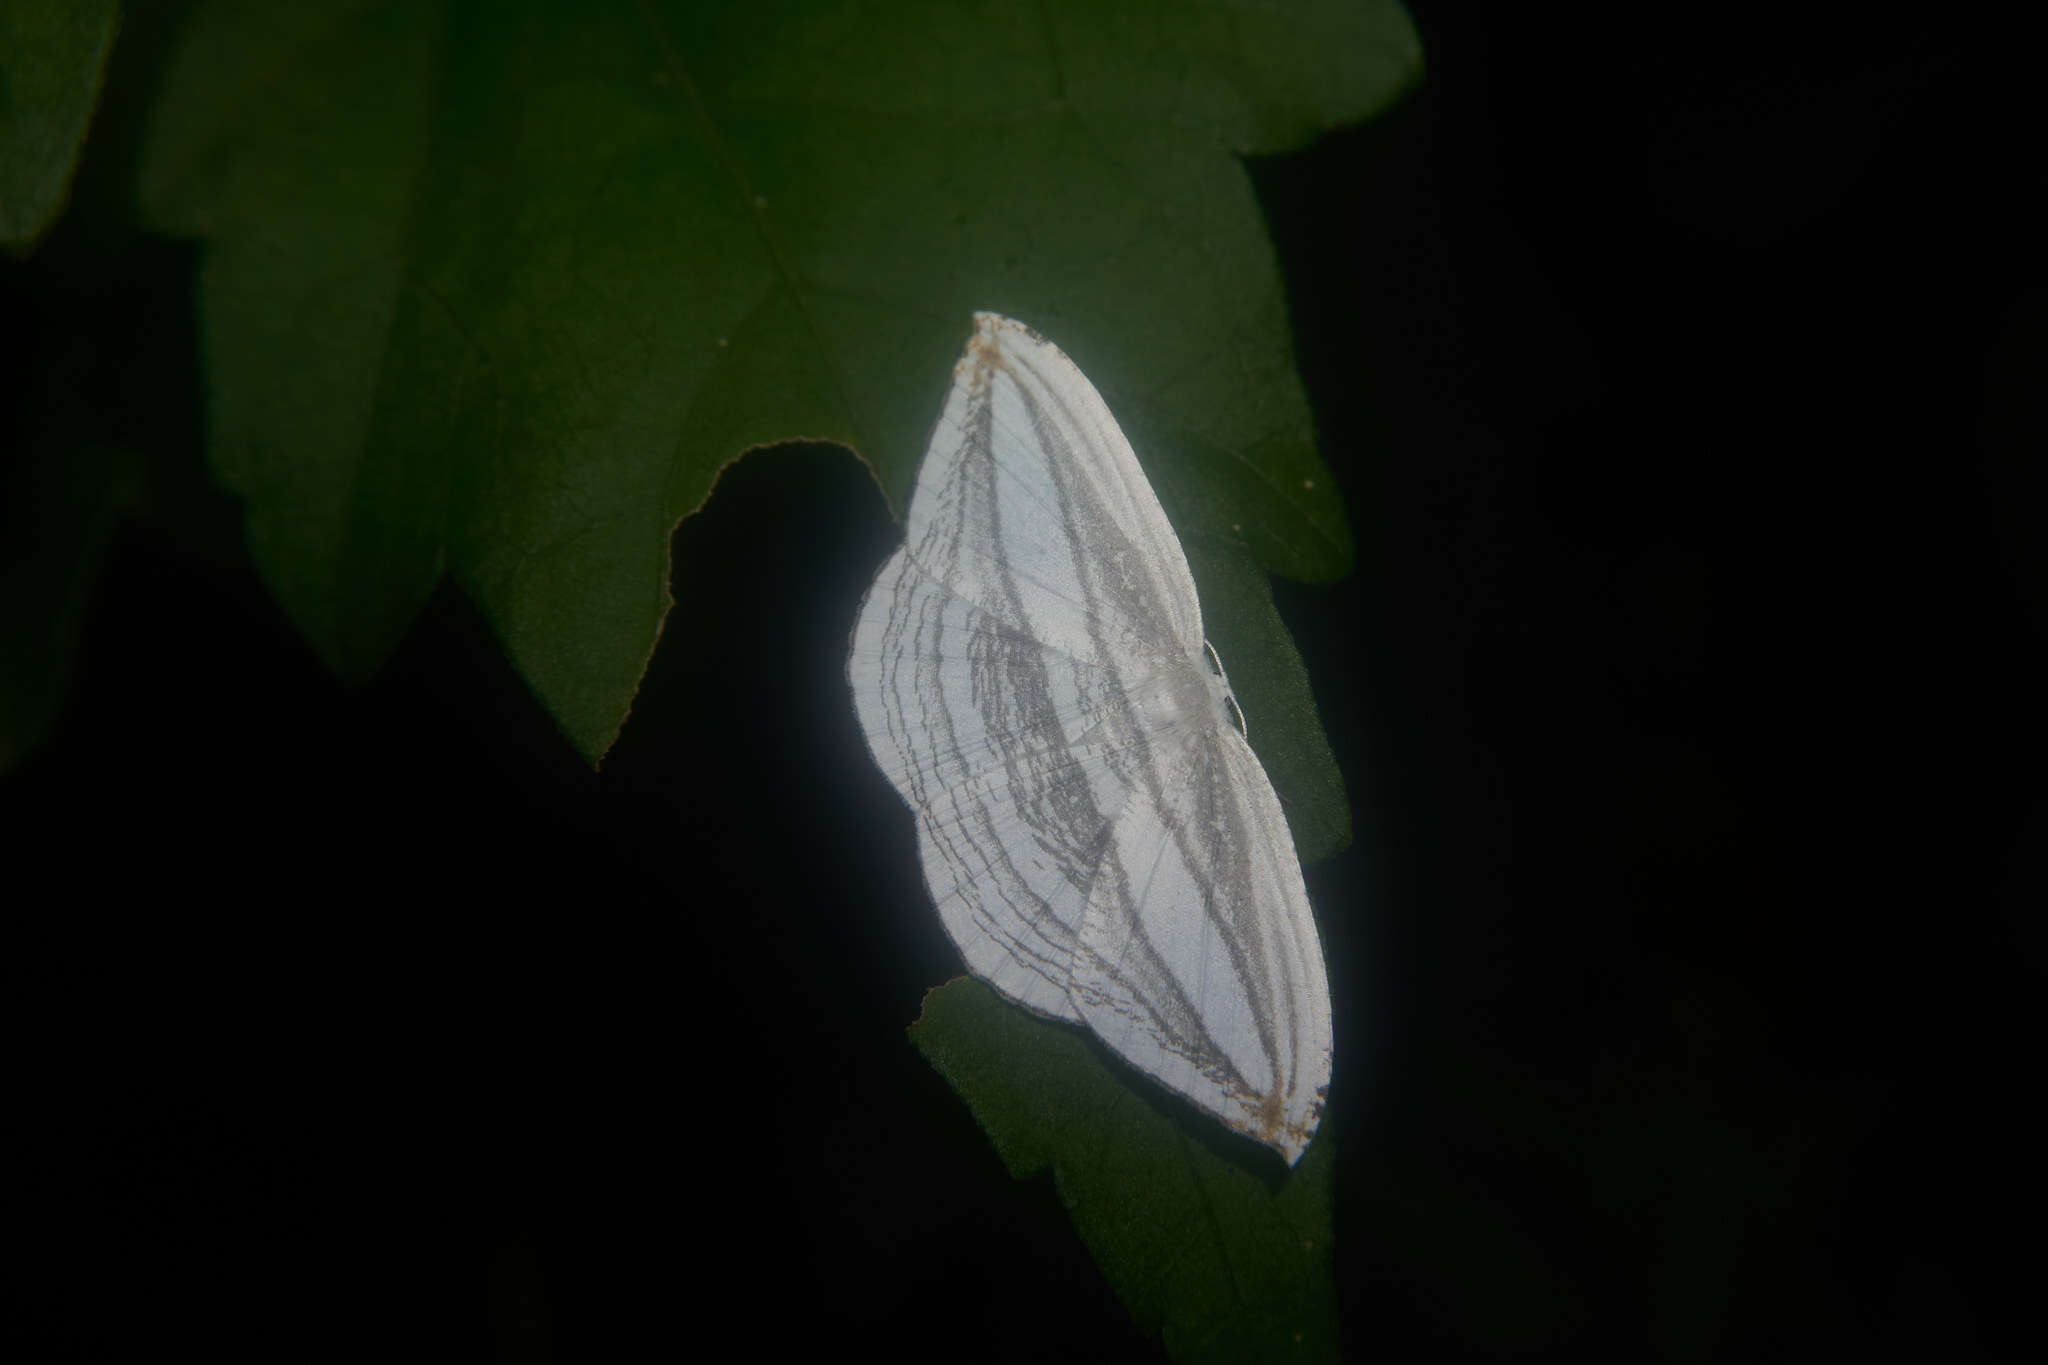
983,345
1293,1141
990,328
1000,340
1290,1134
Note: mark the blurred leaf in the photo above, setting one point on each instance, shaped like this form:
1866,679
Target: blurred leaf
52,56
1224,1263
499,288
59,503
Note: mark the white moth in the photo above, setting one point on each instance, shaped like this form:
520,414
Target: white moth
1102,843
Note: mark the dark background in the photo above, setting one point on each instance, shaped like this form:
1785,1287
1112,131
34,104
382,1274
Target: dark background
1684,384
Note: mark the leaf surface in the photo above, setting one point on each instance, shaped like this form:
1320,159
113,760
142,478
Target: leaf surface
497,289
53,55
1211,1246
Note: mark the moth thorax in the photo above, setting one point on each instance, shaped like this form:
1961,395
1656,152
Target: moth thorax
1167,697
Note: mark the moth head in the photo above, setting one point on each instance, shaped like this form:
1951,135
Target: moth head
1219,691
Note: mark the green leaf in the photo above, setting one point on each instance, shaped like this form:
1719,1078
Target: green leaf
53,54
497,289
1203,1237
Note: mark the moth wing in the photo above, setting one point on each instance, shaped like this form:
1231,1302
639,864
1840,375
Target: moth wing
1031,505
1198,957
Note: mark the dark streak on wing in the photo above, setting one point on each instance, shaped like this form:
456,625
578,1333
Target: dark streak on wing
1010,688
1126,591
